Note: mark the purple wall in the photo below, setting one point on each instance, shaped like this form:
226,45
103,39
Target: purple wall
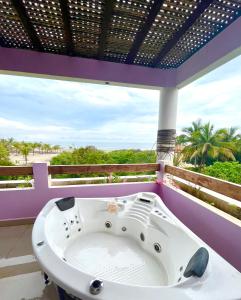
219,233
82,68
27,203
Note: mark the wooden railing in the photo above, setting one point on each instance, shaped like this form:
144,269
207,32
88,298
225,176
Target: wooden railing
15,171
226,188
220,186
81,169
114,168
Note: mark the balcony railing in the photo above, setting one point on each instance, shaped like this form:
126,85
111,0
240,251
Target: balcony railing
223,187
114,168
191,182
15,171
217,185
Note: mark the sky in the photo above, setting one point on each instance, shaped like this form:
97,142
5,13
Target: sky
79,114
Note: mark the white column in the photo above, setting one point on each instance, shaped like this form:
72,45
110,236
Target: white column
167,124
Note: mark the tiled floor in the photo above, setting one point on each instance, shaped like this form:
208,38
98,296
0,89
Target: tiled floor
29,286
15,241
20,275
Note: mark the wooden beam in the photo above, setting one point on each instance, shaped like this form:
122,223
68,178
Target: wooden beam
201,7
15,171
226,188
141,35
67,26
106,21
27,24
77,169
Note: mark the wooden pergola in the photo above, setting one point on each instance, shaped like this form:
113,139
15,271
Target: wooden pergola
153,33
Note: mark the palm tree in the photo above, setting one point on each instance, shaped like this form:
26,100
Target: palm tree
8,143
229,134
206,144
196,126
177,159
40,147
16,146
181,139
56,148
25,149
34,147
46,148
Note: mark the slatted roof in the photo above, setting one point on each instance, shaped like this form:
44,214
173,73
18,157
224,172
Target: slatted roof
152,33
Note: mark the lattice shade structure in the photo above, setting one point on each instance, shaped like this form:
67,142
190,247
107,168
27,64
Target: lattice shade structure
47,21
168,20
12,32
127,18
86,17
152,33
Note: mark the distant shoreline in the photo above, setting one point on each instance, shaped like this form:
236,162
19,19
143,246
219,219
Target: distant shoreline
37,157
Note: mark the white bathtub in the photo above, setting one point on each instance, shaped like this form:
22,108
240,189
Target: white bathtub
128,248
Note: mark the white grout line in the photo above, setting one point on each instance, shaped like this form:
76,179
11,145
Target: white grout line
13,261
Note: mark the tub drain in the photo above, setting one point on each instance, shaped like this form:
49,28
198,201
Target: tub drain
108,224
96,286
157,247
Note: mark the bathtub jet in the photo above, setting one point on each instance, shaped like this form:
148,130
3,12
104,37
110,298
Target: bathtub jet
128,247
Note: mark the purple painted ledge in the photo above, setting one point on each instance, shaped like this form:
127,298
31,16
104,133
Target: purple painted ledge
26,61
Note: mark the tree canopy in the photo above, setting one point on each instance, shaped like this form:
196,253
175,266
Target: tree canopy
92,155
203,145
4,155
230,171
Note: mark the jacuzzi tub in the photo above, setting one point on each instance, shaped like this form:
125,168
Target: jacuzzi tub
129,248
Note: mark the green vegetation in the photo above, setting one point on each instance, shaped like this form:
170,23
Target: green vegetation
25,149
79,156
132,156
8,146
4,155
202,145
216,153
92,155
230,171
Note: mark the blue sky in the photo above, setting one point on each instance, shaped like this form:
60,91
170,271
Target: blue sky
79,114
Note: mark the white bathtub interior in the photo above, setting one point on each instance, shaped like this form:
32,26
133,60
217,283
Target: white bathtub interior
115,258
125,251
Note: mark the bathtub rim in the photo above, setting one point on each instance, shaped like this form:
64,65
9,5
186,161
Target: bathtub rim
115,285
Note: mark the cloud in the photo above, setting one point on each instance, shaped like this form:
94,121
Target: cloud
64,112
216,101
136,133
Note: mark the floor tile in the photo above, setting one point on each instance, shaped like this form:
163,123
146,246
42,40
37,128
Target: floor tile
26,287
9,238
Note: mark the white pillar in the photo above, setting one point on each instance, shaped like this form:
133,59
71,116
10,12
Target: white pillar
167,124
